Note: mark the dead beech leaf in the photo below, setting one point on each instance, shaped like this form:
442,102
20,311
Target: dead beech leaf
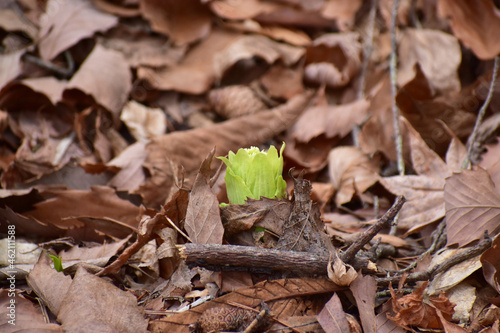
11,66
49,86
424,192
282,34
203,223
475,24
27,317
183,21
472,206
186,148
412,310
246,47
340,273
343,11
333,318
142,121
490,260
106,76
333,59
49,284
242,9
65,23
95,305
13,20
438,54
195,73
330,120
363,289
351,171
131,175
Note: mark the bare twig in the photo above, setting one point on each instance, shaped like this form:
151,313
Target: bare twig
482,111
395,110
63,72
368,235
445,265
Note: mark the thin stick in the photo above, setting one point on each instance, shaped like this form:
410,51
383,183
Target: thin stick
368,235
482,111
395,110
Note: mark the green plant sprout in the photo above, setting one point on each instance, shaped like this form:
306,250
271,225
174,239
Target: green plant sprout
57,262
252,173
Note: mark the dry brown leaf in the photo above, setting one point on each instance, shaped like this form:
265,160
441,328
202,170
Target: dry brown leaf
333,59
195,73
129,9
203,223
242,9
106,76
424,191
333,318
143,122
351,171
340,273
186,148
64,207
11,20
490,260
282,34
49,86
343,11
273,80
330,120
437,53
131,176
95,305
50,285
363,289
65,23
184,22
475,23
11,66
472,207
411,310
246,47
26,316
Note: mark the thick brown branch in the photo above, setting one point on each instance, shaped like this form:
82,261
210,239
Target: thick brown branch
224,256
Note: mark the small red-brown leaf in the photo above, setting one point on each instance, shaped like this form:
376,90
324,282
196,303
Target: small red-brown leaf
332,318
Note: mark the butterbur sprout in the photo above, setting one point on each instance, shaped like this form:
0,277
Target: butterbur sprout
252,173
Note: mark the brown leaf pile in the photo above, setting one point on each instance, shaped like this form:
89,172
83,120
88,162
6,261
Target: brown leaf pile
112,114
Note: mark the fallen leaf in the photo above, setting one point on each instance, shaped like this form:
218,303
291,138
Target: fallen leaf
11,66
235,101
472,207
110,309
106,76
143,122
490,260
474,24
437,53
25,316
65,23
363,289
340,273
350,171
342,11
203,223
183,21
242,9
332,318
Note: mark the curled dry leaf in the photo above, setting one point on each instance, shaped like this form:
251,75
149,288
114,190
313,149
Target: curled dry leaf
106,76
351,171
235,101
412,310
143,122
340,273
203,223
490,261
438,54
333,59
475,23
472,207
65,23
183,21
185,148
250,46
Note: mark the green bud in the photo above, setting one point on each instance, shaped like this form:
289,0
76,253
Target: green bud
252,173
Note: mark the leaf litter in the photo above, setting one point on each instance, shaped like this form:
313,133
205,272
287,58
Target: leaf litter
111,114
